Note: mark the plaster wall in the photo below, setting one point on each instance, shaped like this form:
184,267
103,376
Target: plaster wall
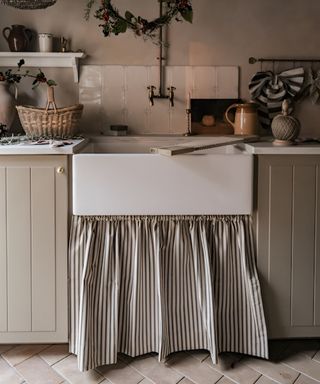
224,32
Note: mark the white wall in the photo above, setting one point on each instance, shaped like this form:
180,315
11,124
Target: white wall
224,32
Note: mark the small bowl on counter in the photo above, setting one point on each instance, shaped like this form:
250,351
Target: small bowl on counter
118,130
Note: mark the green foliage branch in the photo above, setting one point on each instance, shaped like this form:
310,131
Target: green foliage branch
113,23
13,77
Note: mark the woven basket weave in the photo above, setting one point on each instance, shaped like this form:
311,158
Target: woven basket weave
56,122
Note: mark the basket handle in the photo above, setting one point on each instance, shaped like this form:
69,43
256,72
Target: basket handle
50,99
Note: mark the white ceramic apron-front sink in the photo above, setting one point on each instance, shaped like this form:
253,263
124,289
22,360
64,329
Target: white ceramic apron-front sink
216,181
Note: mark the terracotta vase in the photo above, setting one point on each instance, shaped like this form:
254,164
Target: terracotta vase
18,37
7,106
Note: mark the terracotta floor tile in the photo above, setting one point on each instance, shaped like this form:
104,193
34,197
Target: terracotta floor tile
224,380
265,380
298,362
186,381
55,353
120,373
230,366
159,373
8,375
304,364
36,371
20,353
199,355
302,379
5,348
278,372
316,357
69,370
193,369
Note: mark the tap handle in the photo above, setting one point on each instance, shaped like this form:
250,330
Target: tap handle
151,89
171,95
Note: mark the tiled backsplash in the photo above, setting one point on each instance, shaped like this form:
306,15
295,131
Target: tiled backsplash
114,94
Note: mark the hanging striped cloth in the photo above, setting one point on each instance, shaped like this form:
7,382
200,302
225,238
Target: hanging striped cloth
163,284
269,90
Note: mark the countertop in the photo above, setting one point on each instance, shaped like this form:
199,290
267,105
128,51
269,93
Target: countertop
268,148
263,147
28,148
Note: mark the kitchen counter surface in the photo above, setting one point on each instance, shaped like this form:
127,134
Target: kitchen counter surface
28,148
263,147
268,148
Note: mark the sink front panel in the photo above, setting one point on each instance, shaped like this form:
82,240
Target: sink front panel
151,184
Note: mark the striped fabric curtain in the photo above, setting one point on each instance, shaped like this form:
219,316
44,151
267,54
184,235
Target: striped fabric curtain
163,284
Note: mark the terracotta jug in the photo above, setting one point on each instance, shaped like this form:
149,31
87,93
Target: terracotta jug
7,106
18,37
246,119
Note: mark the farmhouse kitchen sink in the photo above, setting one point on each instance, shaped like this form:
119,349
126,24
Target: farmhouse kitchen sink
121,177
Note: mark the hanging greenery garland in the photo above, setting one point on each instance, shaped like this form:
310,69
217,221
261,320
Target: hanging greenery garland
114,23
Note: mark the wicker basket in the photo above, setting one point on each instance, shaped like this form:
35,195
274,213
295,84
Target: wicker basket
56,122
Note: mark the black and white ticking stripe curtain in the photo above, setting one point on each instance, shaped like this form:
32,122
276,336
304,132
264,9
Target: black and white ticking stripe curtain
269,90
163,284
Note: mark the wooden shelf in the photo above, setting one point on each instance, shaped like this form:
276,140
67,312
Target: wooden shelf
44,59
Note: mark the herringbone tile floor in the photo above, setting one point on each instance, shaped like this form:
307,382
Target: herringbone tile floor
291,362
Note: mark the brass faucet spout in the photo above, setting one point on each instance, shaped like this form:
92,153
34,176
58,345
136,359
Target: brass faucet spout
151,89
171,95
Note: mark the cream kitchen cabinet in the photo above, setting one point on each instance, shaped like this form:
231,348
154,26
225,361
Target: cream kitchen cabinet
288,243
33,248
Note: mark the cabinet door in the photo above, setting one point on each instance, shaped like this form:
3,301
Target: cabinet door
288,241
33,249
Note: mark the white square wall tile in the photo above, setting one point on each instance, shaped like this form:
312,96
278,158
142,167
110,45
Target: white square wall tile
90,95
90,76
227,82
115,94
204,82
136,98
177,77
215,82
159,114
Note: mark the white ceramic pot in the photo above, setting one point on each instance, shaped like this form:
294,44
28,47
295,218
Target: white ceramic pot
45,42
7,105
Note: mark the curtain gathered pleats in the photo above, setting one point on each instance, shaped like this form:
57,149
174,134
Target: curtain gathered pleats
163,284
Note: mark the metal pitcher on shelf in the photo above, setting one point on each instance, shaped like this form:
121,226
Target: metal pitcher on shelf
246,120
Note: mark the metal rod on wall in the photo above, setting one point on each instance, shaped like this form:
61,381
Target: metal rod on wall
151,88
253,60
161,58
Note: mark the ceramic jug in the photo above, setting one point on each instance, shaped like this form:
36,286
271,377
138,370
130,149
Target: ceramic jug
18,37
246,119
7,106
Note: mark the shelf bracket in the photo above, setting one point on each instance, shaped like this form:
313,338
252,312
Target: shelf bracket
75,68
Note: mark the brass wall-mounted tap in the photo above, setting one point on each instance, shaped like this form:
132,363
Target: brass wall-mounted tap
171,95
151,95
